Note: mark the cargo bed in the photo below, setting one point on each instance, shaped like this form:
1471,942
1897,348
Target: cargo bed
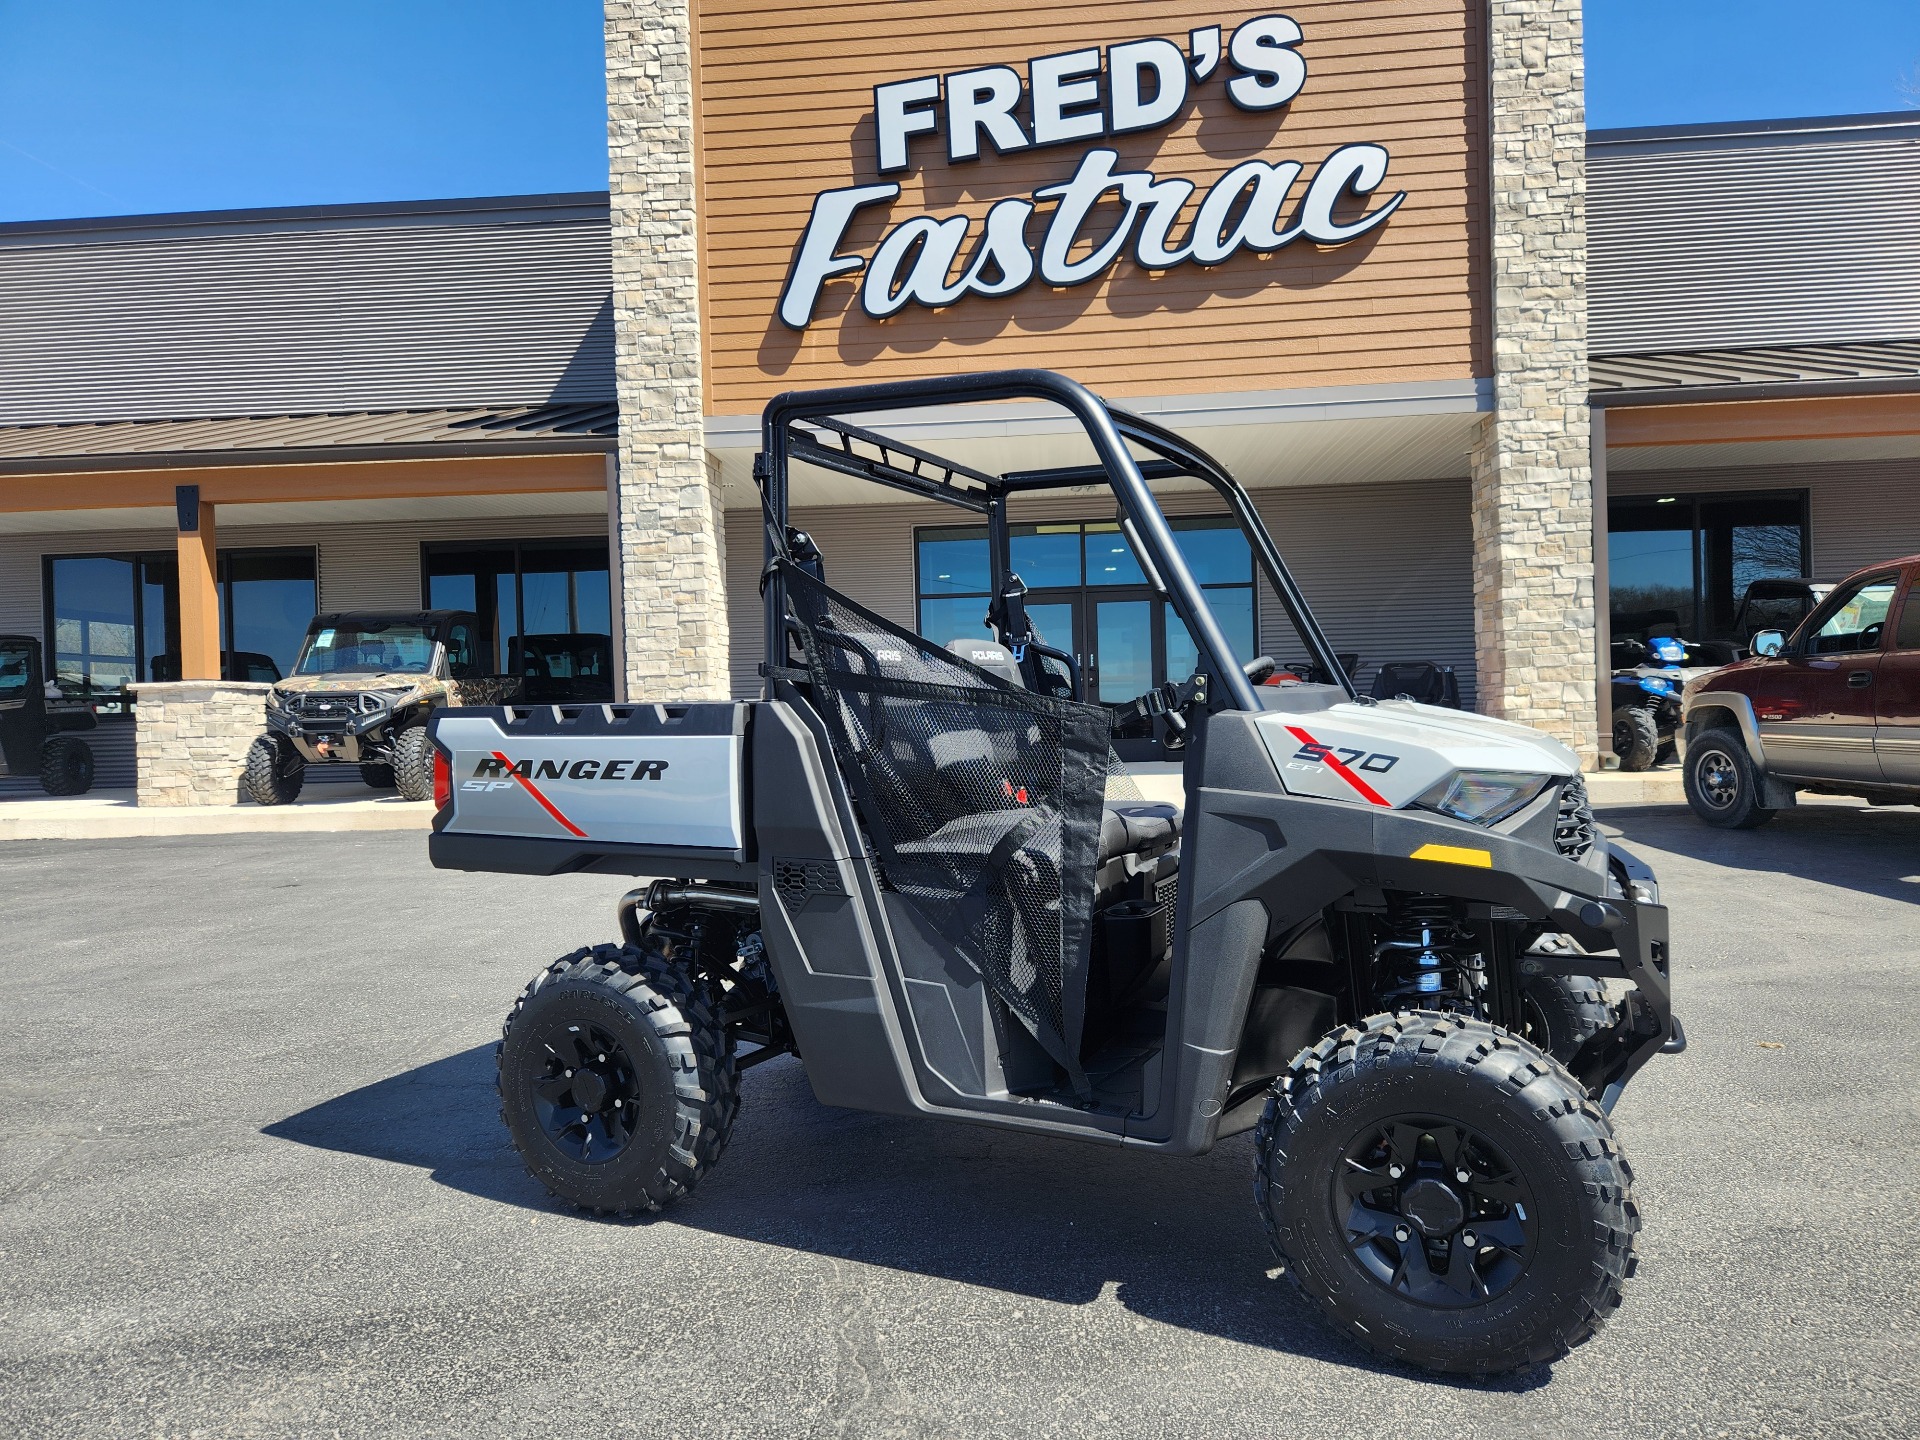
617,789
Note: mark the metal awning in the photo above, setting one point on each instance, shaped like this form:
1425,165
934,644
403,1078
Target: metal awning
287,439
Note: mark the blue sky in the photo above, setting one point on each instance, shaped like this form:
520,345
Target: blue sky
113,107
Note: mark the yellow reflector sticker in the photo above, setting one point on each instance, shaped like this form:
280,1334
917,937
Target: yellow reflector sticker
1455,855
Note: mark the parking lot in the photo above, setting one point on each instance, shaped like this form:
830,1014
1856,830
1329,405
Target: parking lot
252,1181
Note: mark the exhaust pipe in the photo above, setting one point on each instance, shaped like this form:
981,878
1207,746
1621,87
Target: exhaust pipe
636,907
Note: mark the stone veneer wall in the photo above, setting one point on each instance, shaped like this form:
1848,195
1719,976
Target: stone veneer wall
672,583
191,738
1532,485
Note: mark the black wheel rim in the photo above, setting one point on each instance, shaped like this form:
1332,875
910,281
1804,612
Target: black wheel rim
1434,1212
1622,737
585,1096
1719,778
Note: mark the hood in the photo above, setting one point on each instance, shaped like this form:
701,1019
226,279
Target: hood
350,683
1392,752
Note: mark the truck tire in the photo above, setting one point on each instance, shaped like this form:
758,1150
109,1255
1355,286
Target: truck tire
413,764
377,777
1412,1102
1564,1012
66,766
1636,737
275,772
617,1080
1723,784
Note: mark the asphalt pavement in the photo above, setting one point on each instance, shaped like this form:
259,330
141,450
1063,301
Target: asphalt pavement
253,1182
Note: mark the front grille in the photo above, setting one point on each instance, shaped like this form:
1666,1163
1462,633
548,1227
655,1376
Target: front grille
333,706
1573,825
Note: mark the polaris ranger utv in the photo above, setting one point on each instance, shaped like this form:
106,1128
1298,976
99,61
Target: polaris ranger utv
1372,932
37,724
360,694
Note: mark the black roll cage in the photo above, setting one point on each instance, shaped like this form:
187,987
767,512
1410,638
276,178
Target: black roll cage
806,425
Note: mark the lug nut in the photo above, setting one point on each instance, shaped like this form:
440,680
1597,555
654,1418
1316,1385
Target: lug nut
1402,1234
1396,1171
1462,1176
602,1058
1469,1240
569,1074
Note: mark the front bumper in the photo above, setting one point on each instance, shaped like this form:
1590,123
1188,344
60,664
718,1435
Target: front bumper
361,739
1609,906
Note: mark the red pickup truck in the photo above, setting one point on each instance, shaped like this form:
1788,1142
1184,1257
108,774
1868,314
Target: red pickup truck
1833,708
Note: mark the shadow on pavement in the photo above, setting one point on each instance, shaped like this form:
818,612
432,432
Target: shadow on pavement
1177,1240
1849,846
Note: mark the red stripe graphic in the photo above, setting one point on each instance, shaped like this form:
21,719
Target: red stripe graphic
545,804
1342,769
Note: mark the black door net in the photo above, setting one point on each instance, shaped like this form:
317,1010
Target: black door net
983,800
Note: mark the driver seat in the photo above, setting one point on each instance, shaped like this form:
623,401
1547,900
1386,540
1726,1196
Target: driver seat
1142,829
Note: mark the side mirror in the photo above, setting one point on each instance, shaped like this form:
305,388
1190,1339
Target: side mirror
1767,644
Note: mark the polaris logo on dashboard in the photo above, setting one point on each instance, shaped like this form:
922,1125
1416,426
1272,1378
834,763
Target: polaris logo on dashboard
495,767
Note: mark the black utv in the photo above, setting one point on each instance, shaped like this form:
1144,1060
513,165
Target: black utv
1387,937
37,730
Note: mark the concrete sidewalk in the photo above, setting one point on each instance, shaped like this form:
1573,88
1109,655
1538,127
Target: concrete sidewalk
112,815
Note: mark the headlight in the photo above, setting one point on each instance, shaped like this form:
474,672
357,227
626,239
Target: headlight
1656,685
394,699
1484,797
275,700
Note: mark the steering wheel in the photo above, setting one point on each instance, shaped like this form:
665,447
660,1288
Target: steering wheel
1260,667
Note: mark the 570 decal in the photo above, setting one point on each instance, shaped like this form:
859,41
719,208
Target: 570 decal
1377,762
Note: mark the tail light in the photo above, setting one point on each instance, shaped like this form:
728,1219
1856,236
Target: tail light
442,781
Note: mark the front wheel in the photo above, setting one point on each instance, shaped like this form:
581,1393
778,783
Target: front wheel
274,772
66,766
1563,1012
617,1080
1722,783
1446,1194
413,764
1636,737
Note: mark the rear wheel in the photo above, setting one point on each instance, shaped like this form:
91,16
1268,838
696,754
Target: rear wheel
617,1080
1723,784
1636,738
274,772
377,777
1446,1194
66,766
413,764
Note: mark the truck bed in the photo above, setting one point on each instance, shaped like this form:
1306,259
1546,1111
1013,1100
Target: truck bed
617,789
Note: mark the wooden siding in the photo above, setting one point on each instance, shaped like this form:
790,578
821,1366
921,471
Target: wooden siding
785,95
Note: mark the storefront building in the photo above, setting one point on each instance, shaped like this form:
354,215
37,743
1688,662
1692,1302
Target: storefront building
1491,380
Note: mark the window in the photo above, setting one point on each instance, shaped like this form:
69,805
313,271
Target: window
1909,636
1858,622
462,659
530,588
16,673
1681,564
1087,594
113,620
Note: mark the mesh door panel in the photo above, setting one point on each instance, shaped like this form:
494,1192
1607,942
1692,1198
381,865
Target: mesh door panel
983,800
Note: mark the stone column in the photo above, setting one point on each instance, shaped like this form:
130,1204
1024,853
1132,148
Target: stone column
672,585
191,739
1532,488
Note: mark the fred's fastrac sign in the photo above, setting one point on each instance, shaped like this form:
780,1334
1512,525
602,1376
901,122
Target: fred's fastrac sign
1100,211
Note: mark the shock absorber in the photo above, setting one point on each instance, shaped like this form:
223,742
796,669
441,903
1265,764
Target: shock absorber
1430,960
